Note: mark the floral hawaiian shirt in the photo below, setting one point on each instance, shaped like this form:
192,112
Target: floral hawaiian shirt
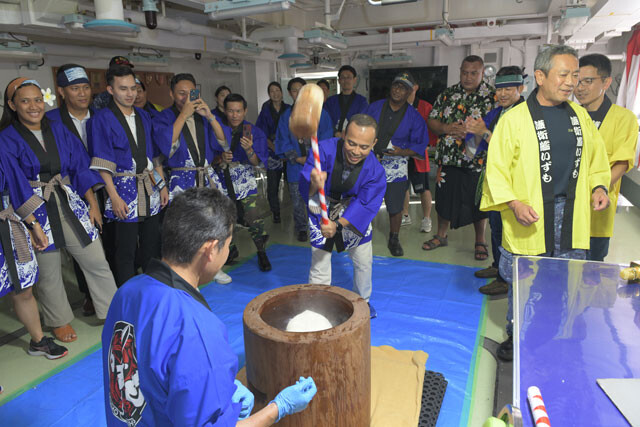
455,104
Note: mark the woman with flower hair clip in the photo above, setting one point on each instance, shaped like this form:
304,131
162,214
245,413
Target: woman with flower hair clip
57,167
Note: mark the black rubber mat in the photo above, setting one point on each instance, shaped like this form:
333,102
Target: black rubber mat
432,394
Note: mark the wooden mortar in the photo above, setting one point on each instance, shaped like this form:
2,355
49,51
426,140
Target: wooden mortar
338,359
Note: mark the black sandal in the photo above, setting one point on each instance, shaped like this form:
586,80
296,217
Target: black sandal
481,255
435,242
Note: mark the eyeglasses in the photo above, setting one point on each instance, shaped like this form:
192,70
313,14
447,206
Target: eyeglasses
588,81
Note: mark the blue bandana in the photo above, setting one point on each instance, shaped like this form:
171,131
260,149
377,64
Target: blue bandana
72,76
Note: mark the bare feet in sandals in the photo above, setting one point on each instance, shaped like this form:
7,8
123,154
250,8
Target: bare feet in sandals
481,251
435,242
65,333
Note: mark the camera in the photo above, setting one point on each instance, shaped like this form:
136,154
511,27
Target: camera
198,56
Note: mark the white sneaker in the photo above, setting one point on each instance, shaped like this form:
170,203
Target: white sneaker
425,225
222,278
406,220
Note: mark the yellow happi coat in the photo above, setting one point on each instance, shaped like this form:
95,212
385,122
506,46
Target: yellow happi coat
619,129
513,173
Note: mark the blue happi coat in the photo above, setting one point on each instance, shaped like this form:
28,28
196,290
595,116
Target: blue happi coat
109,150
288,147
166,358
332,106
241,169
181,180
362,201
56,114
411,133
74,166
17,195
267,124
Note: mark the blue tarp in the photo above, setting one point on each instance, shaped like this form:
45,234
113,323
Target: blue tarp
421,306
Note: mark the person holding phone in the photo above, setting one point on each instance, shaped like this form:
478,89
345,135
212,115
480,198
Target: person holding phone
243,147
402,133
185,134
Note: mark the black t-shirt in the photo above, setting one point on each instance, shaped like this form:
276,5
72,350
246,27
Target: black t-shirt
385,123
563,146
344,100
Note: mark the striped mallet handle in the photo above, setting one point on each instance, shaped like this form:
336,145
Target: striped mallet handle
316,160
539,411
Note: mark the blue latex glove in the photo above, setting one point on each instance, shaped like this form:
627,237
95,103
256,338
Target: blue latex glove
296,397
243,396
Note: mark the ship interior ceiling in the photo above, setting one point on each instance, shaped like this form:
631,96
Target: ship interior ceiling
427,301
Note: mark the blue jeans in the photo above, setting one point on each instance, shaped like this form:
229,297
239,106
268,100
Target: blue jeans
599,248
300,218
506,257
495,223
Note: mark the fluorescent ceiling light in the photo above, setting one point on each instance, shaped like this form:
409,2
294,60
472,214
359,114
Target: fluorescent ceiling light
243,47
389,60
292,55
299,65
27,53
389,2
332,40
226,67
149,60
572,19
227,9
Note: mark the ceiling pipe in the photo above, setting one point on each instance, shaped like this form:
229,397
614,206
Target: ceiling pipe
180,26
243,26
445,12
336,16
327,13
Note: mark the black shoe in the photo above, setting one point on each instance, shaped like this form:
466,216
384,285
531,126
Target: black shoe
233,254
87,308
302,236
48,348
394,246
487,273
263,261
276,218
505,350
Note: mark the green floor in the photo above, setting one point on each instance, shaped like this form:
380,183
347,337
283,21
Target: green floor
18,370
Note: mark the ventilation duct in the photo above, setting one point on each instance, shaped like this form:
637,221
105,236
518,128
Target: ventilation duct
291,49
110,18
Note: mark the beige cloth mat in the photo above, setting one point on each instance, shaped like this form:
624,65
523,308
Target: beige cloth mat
397,378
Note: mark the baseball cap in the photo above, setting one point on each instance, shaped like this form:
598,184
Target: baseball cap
405,78
120,60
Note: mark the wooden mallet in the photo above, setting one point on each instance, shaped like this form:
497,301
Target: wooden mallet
304,122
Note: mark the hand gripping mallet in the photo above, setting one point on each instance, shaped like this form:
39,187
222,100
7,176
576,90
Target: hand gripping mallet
304,122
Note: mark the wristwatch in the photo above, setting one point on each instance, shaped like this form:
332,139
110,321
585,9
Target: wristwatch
600,186
338,227
31,224
486,135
